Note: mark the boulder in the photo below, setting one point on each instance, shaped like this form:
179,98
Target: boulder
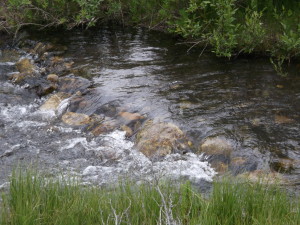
53,102
75,119
160,139
218,147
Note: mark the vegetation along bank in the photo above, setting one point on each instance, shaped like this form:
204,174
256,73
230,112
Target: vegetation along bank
33,199
225,27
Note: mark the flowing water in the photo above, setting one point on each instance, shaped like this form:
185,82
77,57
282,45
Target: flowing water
242,101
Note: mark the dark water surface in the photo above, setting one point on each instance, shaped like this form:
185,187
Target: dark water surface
242,100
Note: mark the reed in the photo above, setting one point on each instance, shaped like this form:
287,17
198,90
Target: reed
35,199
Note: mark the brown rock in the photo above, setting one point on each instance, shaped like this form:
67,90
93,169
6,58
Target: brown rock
160,139
216,146
131,116
75,119
283,119
18,77
52,78
25,66
128,130
283,165
53,102
103,128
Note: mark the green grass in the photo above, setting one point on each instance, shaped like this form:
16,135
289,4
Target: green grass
33,199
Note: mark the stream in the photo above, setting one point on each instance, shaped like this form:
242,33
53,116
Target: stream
242,101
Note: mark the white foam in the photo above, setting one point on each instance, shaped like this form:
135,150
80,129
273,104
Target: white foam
10,112
62,107
7,63
28,124
126,161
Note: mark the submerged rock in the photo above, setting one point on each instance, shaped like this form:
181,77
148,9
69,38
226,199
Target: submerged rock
104,127
71,84
216,146
58,65
240,165
161,139
279,119
283,165
218,151
109,109
54,101
75,119
86,102
131,116
45,88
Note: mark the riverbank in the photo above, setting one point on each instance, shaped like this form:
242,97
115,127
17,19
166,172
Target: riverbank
33,198
227,28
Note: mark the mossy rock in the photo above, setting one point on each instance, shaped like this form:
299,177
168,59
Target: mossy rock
25,66
161,139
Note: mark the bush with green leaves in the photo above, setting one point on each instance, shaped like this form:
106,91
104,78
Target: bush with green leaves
227,27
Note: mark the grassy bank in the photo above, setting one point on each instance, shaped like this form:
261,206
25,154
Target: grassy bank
32,199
